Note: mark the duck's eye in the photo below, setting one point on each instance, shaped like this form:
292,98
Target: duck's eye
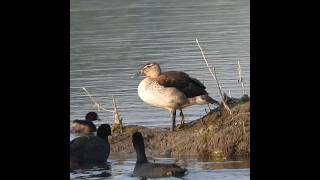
148,66
146,70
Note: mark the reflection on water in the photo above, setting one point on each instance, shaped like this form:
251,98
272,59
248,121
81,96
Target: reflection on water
122,168
93,173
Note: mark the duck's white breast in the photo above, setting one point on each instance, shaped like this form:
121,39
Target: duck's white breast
156,95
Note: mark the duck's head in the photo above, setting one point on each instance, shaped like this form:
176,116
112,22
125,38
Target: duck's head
151,70
92,116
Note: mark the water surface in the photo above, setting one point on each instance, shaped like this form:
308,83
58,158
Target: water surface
122,168
110,40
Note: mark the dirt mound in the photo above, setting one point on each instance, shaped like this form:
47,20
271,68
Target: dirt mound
217,135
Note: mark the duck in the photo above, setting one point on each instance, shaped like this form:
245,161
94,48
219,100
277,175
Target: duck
89,150
145,169
171,90
86,126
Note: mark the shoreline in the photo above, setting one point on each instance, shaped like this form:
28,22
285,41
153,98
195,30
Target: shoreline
215,135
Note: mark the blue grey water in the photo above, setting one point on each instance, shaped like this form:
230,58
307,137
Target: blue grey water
111,39
122,167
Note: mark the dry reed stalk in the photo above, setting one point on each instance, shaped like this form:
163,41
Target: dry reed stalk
117,119
97,105
215,77
240,80
232,118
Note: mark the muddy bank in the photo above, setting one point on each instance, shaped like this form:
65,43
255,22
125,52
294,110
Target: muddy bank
216,135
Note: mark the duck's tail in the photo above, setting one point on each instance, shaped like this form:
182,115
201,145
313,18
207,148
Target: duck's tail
200,100
210,100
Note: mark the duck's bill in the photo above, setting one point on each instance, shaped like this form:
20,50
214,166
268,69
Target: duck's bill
139,73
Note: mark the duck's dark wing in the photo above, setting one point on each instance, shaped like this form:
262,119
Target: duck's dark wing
78,143
76,149
88,150
191,87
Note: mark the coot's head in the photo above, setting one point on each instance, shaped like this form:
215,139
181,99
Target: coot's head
138,144
92,116
104,131
137,139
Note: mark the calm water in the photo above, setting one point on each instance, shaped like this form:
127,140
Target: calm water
122,168
111,39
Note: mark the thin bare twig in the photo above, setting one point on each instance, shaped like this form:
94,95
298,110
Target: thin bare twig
97,105
117,119
213,73
240,80
245,113
209,107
